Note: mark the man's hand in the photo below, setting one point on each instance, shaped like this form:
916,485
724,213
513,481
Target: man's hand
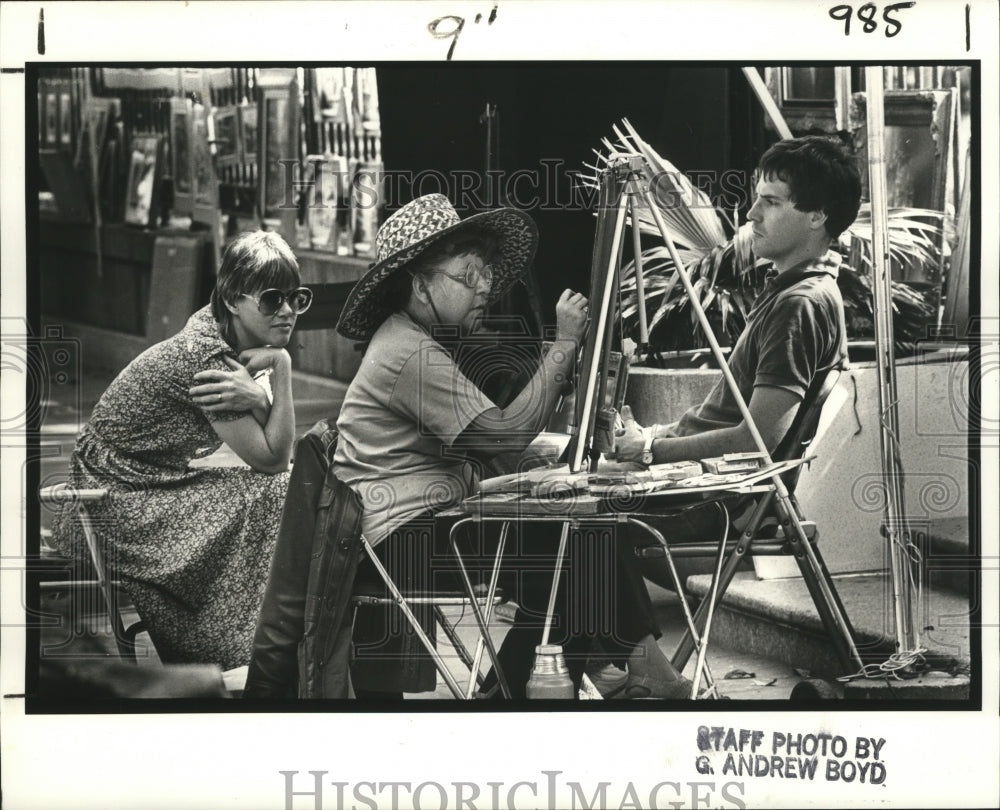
629,439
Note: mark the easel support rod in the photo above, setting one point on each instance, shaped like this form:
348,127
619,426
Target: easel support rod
767,102
599,322
640,284
720,359
895,527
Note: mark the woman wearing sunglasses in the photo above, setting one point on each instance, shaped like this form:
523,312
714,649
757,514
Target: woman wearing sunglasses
192,545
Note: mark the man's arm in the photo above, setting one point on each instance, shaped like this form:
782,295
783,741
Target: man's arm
772,409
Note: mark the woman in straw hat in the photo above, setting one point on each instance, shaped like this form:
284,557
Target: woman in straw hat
414,429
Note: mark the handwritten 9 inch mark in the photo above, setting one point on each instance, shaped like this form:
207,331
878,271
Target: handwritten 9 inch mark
454,29
866,17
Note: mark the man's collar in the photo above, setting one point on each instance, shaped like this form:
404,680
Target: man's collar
828,264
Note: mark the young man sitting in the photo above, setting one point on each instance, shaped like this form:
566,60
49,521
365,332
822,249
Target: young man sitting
808,193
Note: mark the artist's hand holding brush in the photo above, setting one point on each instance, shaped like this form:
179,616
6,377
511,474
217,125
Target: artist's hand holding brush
572,312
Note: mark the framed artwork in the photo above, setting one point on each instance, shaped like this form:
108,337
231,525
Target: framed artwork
275,142
203,173
226,136
918,161
65,118
101,111
205,209
181,155
278,149
247,115
143,178
918,130
51,119
326,195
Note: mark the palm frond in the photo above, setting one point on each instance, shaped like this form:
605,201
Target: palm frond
688,213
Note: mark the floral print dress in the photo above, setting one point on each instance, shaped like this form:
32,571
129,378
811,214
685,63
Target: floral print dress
192,547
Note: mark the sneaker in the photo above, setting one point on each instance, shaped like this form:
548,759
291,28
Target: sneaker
505,612
606,677
648,688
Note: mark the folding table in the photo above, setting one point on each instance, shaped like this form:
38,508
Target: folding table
605,510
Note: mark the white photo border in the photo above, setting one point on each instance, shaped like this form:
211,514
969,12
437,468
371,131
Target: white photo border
936,758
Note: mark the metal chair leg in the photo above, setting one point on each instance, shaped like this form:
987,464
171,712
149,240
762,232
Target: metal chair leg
401,602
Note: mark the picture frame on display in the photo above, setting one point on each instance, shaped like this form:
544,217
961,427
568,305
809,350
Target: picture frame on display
203,172
144,171
182,156
226,136
277,144
65,118
247,116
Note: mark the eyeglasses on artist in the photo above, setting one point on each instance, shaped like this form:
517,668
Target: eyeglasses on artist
270,301
472,276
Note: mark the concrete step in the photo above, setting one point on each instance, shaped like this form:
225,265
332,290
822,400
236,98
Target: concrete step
777,619
949,560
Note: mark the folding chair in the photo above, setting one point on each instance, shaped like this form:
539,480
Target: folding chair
386,593
766,534
124,635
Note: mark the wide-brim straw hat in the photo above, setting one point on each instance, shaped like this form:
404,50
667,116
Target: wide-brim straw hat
412,230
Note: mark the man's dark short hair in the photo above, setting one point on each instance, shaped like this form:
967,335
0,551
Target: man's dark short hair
821,176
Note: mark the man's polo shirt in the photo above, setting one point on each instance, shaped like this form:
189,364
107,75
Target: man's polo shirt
794,331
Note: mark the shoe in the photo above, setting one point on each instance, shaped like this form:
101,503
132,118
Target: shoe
648,688
606,677
505,612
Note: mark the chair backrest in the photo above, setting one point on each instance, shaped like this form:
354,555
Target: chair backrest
803,427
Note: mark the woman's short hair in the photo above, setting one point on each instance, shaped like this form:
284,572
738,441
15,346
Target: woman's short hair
253,261
821,176
473,240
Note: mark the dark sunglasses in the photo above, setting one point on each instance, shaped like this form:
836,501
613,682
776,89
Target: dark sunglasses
270,301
